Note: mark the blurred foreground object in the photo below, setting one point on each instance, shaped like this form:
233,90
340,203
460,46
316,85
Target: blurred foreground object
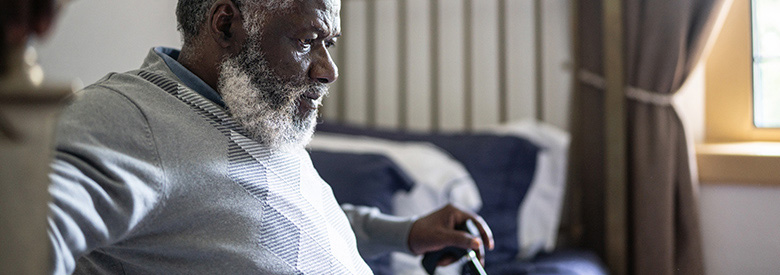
19,19
28,112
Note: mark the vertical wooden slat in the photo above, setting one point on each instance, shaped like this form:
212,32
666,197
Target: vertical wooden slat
615,155
556,58
468,89
356,109
371,62
503,93
403,120
341,60
451,99
520,59
485,86
434,59
418,69
386,66
539,60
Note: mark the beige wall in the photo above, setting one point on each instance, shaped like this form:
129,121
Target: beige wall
740,228
94,37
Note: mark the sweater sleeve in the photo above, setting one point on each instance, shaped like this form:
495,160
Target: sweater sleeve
106,176
377,233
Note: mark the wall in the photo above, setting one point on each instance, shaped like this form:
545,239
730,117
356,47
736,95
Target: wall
94,37
740,228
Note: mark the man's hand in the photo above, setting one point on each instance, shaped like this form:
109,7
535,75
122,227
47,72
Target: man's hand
437,230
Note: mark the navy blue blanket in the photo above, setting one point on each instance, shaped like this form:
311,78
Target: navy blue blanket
567,262
502,167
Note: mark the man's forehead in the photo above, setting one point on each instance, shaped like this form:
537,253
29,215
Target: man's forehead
330,8
309,15
326,11
329,5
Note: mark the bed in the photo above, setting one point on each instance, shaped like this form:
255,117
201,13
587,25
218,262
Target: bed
456,101
512,175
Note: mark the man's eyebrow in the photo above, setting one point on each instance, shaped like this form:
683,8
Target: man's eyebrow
323,31
323,28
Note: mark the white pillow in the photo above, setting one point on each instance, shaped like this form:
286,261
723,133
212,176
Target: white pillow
540,212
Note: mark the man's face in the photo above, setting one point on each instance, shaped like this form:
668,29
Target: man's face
274,86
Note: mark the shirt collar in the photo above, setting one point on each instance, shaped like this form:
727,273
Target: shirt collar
192,81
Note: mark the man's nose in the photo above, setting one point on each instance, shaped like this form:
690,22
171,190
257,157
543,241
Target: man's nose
323,69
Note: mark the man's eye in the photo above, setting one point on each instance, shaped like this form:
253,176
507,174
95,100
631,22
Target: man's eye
305,43
330,43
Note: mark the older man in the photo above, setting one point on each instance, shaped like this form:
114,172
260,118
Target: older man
195,162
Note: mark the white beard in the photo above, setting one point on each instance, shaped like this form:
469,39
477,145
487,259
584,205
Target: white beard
265,105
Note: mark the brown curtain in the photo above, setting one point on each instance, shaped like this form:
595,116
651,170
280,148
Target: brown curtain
663,41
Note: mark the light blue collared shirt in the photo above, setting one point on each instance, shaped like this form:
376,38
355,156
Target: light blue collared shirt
170,56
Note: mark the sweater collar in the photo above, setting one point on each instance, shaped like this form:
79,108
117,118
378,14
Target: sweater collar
165,59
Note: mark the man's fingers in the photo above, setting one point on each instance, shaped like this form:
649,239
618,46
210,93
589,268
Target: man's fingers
462,239
469,241
481,254
485,232
446,261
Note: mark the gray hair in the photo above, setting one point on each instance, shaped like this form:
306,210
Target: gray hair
192,14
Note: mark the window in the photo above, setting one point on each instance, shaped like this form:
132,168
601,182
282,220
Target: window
766,63
735,150
729,70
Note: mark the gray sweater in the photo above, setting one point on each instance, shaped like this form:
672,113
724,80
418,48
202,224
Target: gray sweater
150,177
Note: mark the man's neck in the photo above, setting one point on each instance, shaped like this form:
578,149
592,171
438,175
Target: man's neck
202,65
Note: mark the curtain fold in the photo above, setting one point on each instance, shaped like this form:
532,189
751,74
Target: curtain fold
663,41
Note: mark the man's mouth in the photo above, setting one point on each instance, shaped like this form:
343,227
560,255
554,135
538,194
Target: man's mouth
309,100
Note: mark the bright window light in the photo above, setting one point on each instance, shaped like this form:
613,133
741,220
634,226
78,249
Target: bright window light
766,63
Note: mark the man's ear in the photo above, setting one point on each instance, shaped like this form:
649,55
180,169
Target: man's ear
225,25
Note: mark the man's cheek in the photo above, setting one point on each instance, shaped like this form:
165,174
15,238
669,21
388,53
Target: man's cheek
296,70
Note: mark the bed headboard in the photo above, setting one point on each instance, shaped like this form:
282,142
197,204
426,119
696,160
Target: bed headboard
452,64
